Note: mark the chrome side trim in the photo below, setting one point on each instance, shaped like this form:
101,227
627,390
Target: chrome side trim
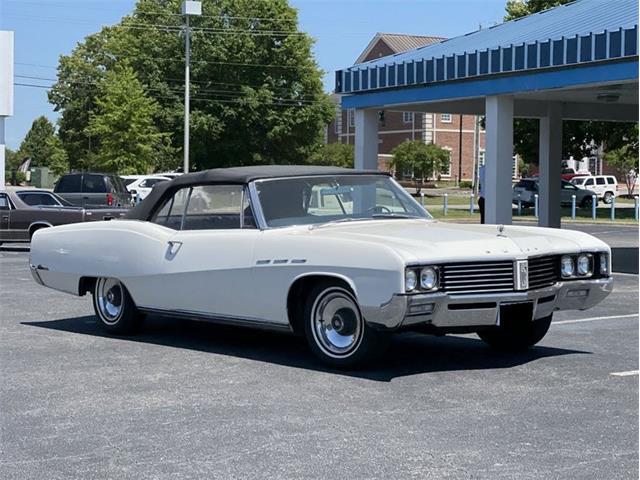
220,319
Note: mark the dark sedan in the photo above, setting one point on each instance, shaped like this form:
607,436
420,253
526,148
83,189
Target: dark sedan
23,211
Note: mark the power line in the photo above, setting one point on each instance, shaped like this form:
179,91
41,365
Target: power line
154,12
171,28
180,85
212,99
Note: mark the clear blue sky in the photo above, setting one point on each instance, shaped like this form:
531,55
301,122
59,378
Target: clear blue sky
45,29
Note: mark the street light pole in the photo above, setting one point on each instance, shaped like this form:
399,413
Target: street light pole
189,8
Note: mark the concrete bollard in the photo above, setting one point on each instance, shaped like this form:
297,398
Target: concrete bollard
519,204
613,209
637,207
445,204
594,201
535,205
573,207
471,203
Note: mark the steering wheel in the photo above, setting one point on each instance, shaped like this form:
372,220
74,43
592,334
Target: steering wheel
379,209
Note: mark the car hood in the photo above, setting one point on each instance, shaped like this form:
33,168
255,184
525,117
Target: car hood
425,240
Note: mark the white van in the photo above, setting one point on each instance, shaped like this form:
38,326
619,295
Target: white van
605,186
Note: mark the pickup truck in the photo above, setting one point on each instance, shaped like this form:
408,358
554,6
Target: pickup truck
23,211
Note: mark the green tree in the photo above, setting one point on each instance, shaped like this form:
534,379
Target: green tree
423,160
123,121
579,137
256,89
334,154
625,159
43,146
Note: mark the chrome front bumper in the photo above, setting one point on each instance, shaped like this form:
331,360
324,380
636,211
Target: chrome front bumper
453,311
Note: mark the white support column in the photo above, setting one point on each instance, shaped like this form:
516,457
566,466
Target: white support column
498,159
366,141
549,182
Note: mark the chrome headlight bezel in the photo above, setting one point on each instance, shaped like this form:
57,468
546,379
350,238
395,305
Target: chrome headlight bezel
604,266
567,260
410,280
584,265
429,278
416,276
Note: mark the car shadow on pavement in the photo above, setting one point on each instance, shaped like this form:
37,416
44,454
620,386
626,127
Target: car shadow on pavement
409,353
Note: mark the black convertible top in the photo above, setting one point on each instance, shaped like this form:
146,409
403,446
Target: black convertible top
238,176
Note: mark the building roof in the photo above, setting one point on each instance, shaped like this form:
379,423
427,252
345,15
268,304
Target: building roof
578,32
236,176
398,43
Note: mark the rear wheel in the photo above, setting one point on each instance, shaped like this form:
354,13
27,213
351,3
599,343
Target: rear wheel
586,202
336,330
35,229
114,306
515,334
607,197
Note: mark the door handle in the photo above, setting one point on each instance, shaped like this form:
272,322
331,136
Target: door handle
173,247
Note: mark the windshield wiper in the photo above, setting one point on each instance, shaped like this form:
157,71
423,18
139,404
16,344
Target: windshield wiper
392,215
337,220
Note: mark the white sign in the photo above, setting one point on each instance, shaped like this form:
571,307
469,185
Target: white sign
6,74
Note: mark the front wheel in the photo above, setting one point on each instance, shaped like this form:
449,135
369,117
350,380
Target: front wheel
336,330
516,334
607,197
114,307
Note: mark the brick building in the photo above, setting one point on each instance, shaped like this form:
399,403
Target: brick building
446,130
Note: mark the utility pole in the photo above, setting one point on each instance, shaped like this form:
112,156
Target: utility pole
189,8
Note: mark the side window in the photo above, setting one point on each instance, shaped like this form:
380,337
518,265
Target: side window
68,184
589,181
600,181
93,184
611,180
4,203
170,214
37,199
214,207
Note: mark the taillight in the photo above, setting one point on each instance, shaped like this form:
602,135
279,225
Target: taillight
109,199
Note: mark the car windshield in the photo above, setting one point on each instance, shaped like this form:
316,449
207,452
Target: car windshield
322,199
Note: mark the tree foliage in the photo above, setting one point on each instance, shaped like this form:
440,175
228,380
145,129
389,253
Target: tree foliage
334,154
123,120
579,137
625,159
423,160
43,146
256,90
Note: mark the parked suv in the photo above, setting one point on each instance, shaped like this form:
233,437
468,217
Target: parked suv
605,186
93,189
526,189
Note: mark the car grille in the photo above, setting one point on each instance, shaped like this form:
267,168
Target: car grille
543,271
477,277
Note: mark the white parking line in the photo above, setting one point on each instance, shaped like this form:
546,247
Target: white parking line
625,374
593,319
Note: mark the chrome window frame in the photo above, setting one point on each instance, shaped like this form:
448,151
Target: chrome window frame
262,222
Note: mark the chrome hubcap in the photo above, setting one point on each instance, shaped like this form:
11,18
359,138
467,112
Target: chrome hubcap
337,324
110,299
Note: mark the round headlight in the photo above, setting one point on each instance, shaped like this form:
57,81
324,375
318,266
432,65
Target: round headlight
584,265
566,266
428,278
604,264
410,280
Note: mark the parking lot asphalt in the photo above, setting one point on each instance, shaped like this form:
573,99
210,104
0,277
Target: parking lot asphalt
190,400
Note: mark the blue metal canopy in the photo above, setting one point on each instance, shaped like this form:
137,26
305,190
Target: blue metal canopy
586,33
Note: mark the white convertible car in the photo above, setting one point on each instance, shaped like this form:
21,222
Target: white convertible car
344,257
